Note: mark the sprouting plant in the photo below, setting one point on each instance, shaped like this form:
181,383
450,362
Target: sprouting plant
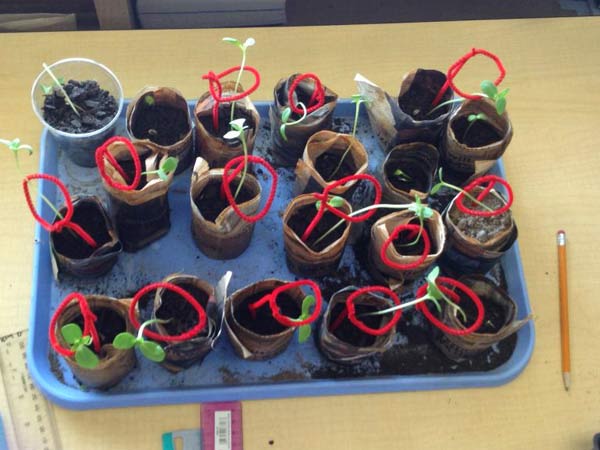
499,98
472,119
237,132
169,165
443,183
150,349
47,88
60,87
402,176
305,330
357,99
285,116
149,100
335,202
15,146
244,48
422,212
79,343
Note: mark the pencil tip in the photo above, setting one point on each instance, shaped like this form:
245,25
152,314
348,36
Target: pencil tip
567,380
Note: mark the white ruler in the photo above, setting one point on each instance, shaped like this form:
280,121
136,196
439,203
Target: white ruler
27,417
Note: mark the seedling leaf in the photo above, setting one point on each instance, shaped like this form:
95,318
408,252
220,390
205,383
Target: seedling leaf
336,201
169,165
304,333
489,88
47,90
237,124
149,100
500,105
71,332
436,188
233,41
307,303
232,134
472,117
152,351
86,340
249,42
282,132
124,341
285,115
86,358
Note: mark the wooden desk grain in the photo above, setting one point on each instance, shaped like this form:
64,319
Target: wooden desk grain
552,163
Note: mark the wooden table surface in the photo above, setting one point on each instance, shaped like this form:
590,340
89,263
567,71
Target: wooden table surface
552,163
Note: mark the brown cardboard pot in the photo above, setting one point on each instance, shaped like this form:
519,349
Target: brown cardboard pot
71,255
348,344
114,364
181,146
286,153
210,144
323,151
225,236
249,344
301,258
418,161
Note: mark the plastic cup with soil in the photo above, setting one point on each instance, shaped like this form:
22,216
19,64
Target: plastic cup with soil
83,239
408,171
137,180
291,94
347,335
92,321
159,117
97,99
261,318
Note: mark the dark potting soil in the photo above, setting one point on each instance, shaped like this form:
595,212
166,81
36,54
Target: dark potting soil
108,324
211,203
162,124
413,176
302,217
417,100
481,228
96,107
348,332
401,243
493,319
264,323
129,169
225,118
183,315
327,163
481,132
88,217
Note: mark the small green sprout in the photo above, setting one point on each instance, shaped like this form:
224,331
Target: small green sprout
422,212
472,119
402,176
237,132
60,87
305,330
499,98
285,116
79,343
335,202
48,89
442,184
15,146
169,165
149,100
150,349
244,48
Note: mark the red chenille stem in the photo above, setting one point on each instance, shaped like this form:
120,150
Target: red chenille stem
491,180
317,99
351,308
393,235
102,152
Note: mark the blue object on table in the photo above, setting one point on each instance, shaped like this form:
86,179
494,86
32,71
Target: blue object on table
3,444
597,442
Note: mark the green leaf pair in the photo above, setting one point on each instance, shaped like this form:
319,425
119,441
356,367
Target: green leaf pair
499,98
248,43
335,202
304,331
166,168
47,89
403,176
420,210
151,350
474,117
79,343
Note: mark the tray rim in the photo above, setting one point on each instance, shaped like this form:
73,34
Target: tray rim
71,398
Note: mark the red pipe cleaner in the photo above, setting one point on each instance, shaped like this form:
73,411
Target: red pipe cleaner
66,221
228,178
102,152
393,235
457,67
351,310
324,196
216,89
186,296
455,298
317,96
492,180
89,329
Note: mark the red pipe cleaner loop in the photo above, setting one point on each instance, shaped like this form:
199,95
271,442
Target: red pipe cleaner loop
102,152
393,235
89,329
216,89
351,308
455,298
457,67
66,221
228,178
491,180
186,296
317,99
324,196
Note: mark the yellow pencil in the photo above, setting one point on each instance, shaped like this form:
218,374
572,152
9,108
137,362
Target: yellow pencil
561,240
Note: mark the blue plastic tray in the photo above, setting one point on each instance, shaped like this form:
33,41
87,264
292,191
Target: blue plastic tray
222,376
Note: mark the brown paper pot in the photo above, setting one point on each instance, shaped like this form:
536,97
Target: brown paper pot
419,162
321,157
286,153
486,141
264,337
465,253
167,305
303,259
500,321
382,229
405,120
347,344
210,144
112,319
141,215
155,125
70,253
217,230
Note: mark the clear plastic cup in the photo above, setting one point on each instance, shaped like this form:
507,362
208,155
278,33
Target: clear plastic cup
80,148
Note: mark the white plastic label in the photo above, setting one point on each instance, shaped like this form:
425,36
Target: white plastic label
222,430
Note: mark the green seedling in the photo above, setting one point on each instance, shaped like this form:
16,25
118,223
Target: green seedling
79,343
244,48
305,330
15,146
166,168
422,212
472,119
47,89
402,176
149,100
442,184
357,99
60,87
237,132
150,349
489,90
285,116
335,202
